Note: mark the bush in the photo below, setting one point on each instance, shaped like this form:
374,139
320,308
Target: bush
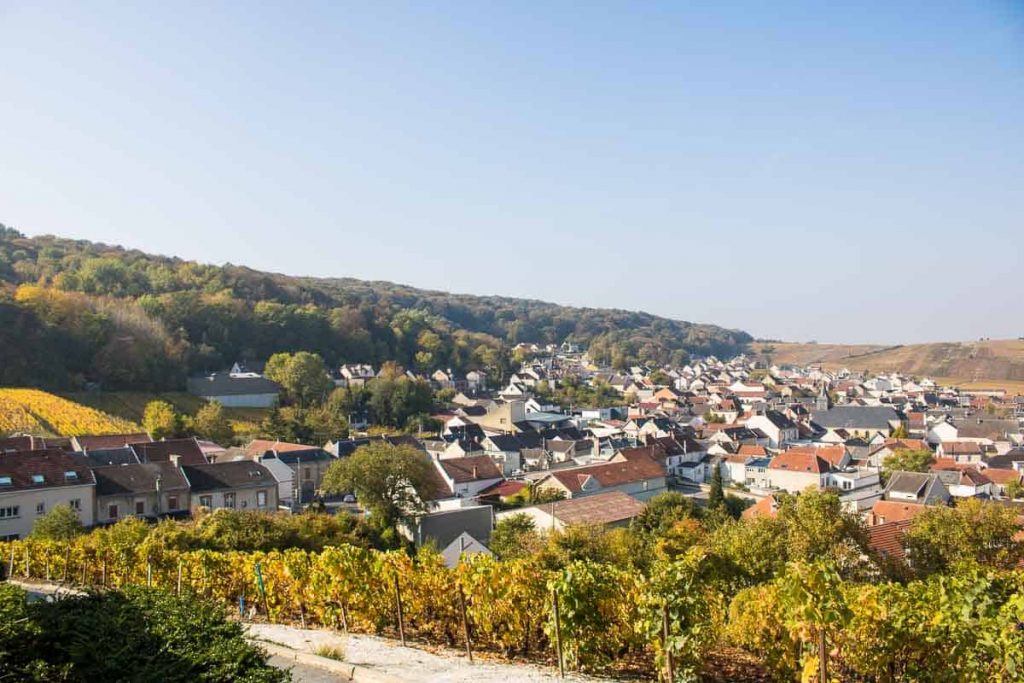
130,635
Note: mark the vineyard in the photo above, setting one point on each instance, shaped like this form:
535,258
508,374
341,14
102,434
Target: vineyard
964,627
32,411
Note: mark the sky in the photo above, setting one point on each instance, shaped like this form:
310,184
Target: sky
841,171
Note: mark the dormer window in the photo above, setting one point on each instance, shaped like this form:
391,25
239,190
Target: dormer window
70,475
38,479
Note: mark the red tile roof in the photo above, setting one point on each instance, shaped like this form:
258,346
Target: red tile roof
885,511
470,468
52,464
833,455
887,539
766,507
634,469
799,462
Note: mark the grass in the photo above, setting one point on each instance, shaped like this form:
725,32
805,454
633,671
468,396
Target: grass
335,652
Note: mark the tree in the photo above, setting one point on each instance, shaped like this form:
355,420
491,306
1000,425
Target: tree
302,375
1014,489
388,481
161,420
816,526
716,497
900,432
211,423
59,524
515,537
939,538
662,511
906,460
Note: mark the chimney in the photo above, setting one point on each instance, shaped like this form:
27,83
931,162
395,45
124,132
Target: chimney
474,472
175,459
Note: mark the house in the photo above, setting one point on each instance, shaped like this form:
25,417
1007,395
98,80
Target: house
234,484
468,476
916,487
609,509
941,431
34,482
1000,478
779,428
886,540
235,391
766,507
859,420
100,441
886,511
960,451
795,471
149,490
463,546
183,451
443,527
967,483
355,374
308,464
641,477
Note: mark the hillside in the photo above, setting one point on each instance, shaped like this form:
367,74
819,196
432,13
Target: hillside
74,313
31,411
990,363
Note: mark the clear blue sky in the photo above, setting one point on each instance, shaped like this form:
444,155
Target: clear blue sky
834,171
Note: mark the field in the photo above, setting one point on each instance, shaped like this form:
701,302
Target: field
130,405
37,412
985,364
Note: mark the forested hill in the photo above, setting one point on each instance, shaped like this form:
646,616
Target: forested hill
74,312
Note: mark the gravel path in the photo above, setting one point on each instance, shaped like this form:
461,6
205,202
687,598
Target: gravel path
409,663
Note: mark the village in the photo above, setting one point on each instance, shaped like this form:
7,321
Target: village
739,429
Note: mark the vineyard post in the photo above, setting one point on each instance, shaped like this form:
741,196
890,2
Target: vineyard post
179,577
344,617
46,560
26,563
103,572
149,574
67,561
465,623
822,657
669,664
84,568
302,614
10,566
401,616
558,633
263,592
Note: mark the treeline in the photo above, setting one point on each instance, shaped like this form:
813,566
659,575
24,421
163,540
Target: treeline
73,312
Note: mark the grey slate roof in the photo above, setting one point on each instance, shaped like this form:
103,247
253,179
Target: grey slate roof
232,474
856,417
138,478
223,384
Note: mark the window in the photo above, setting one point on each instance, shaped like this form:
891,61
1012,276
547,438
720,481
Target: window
206,501
75,503
261,499
70,475
172,502
307,473
10,512
5,481
229,500
140,507
40,508
112,511
38,479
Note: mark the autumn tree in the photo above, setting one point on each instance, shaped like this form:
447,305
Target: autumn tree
389,481
906,460
161,420
211,423
59,524
941,537
302,375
